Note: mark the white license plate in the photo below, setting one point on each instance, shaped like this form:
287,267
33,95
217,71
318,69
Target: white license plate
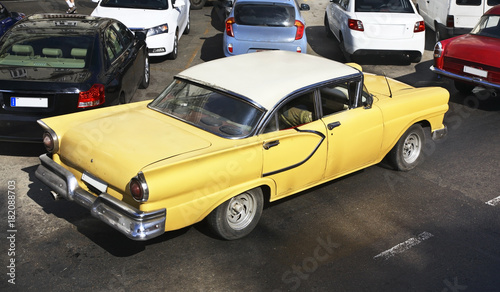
96,183
29,102
475,71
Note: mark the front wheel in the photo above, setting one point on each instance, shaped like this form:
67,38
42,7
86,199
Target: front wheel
197,4
407,153
175,49
238,216
146,74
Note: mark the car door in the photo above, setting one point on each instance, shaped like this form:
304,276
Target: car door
183,12
354,131
294,145
334,12
120,55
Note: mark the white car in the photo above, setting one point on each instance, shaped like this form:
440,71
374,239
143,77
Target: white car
163,21
365,27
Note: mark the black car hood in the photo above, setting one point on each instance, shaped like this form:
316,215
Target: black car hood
59,75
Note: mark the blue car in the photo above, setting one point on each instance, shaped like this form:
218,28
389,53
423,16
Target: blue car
7,19
262,25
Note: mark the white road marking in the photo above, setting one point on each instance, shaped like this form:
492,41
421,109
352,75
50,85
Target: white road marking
404,246
494,202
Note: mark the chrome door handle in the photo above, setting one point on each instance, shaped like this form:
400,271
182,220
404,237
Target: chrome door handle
268,145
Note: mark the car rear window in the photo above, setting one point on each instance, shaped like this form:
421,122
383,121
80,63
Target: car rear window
394,6
488,26
54,51
264,15
469,2
210,110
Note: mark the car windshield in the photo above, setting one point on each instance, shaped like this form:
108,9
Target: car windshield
141,4
210,110
391,6
47,50
489,25
264,15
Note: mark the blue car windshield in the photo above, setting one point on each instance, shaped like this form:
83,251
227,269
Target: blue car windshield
489,26
390,6
210,110
264,15
140,4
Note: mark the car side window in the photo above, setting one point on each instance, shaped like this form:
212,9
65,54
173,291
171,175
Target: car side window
126,36
112,44
296,112
336,98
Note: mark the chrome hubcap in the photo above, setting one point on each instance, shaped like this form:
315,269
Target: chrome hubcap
241,211
412,148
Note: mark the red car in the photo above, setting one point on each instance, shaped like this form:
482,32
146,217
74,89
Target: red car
472,59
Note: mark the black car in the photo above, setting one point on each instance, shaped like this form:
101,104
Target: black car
53,64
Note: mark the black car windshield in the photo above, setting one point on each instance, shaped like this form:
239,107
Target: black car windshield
140,4
264,15
210,110
391,6
489,25
47,50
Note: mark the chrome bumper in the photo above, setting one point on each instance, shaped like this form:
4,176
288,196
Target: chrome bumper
473,80
132,222
440,133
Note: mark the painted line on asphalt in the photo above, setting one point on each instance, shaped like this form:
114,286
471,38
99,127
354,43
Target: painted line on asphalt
404,246
494,202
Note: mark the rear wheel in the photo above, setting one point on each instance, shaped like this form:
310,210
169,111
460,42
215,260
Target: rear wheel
407,153
238,216
347,56
327,27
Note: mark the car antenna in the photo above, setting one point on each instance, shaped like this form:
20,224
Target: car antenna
390,91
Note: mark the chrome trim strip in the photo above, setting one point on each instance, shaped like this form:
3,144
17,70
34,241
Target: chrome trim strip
132,222
476,81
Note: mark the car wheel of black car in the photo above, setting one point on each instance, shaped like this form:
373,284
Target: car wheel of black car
174,53
463,87
147,74
197,4
327,28
238,216
407,153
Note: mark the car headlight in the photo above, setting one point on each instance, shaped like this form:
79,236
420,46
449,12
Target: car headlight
49,138
158,30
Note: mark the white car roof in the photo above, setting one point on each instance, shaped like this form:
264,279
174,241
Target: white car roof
266,77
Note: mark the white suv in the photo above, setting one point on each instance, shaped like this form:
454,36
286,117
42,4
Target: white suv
163,21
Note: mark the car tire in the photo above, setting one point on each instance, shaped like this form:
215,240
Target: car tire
188,26
329,32
407,153
175,49
437,32
238,216
463,87
347,56
146,76
197,4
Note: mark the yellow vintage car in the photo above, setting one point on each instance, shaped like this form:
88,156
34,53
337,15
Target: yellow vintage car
228,135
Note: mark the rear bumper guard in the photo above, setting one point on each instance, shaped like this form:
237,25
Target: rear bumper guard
132,222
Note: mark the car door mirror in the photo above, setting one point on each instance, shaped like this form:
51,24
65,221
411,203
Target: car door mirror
140,35
95,1
367,101
305,7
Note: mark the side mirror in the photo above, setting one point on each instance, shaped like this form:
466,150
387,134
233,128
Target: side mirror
95,1
140,36
368,102
305,7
